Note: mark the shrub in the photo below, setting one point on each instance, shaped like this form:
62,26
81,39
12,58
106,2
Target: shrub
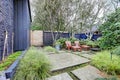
111,31
82,42
103,61
117,51
89,43
62,42
9,60
36,27
73,39
92,43
34,66
49,49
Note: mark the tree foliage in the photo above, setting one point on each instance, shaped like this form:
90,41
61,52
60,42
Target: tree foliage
70,15
111,31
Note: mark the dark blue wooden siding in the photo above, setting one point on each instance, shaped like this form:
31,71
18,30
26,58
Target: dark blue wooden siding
22,25
6,24
15,18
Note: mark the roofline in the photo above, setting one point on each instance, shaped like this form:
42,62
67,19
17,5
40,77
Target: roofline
29,10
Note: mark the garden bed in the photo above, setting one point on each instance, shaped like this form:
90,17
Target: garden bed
9,66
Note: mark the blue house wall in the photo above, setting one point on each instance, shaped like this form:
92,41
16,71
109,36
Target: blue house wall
22,23
6,24
15,19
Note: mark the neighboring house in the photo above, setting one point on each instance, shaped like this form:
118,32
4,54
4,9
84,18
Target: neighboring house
15,18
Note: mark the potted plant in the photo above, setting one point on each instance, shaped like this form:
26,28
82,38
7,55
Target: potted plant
57,45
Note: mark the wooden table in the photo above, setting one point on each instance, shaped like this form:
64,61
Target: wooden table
85,47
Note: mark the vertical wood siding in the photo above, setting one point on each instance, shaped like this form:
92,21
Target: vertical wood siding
15,18
6,23
22,24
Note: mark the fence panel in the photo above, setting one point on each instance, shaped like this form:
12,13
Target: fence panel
96,36
48,40
37,38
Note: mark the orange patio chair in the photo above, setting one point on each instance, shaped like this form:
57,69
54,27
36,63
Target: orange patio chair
76,46
68,45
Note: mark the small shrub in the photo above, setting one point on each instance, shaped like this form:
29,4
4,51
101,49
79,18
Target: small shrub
9,60
82,42
73,39
117,51
103,61
34,66
89,43
62,42
49,49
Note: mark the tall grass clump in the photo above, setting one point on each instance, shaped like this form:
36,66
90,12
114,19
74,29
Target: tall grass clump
34,66
105,62
50,49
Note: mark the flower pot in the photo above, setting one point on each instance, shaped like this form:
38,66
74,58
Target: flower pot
57,47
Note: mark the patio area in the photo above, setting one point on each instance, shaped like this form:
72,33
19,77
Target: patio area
66,63
60,40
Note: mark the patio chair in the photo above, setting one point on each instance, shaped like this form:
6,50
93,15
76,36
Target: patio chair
68,45
76,46
77,43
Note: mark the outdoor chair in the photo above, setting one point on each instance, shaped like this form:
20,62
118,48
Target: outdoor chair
68,45
77,43
76,46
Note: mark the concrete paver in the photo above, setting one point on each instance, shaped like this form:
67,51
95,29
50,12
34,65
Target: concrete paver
63,76
87,73
87,55
65,60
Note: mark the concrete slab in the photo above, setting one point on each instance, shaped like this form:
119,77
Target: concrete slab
87,55
63,76
87,73
65,60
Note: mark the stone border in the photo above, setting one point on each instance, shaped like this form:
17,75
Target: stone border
9,73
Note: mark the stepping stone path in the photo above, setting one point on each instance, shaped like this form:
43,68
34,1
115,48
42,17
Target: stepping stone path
63,76
65,60
87,73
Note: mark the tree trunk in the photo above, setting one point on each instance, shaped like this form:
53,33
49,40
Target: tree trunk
5,45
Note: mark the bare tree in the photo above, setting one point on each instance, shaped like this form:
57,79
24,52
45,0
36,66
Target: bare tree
70,15
115,3
49,16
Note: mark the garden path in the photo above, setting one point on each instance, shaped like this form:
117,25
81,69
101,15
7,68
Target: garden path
72,66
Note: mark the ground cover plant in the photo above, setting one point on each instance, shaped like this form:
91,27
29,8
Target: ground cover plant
34,66
105,62
9,60
50,49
